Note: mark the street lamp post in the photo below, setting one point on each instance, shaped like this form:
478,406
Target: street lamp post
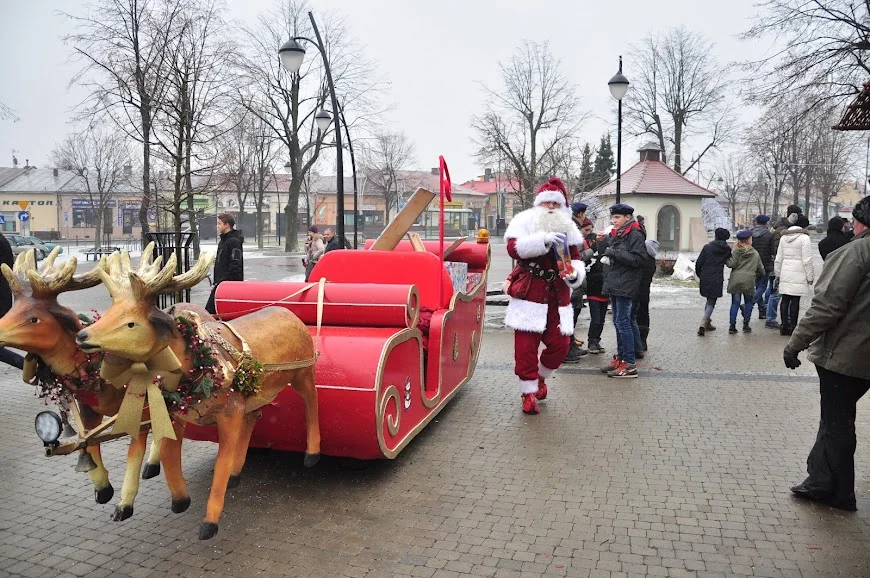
292,55
618,87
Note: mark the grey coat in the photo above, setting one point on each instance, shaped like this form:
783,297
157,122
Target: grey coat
836,328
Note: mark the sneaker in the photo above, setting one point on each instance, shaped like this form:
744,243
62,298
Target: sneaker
747,328
624,370
611,366
542,389
732,329
771,324
530,404
595,347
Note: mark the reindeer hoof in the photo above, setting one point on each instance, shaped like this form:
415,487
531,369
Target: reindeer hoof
122,513
311,460
150,471
103,495
234,481
179,506
207,530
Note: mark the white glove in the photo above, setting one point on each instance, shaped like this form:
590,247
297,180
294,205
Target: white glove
605,260
559,238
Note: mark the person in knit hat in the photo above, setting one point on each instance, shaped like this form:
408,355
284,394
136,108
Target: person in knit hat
710,269
834,332
540,239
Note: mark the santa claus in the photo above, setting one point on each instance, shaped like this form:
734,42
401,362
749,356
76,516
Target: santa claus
545,243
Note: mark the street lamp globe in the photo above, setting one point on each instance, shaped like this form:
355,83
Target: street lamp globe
618,85
323,120
291,54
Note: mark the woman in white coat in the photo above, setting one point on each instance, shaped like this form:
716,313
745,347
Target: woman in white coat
794,271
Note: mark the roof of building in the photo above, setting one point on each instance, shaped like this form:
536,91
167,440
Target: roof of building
653,177
33,180
857,113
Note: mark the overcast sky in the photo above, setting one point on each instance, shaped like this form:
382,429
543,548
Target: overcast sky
434,54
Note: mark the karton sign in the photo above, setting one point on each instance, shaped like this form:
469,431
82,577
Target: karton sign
24,204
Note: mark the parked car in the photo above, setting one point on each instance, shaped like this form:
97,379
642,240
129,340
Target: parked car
48,245
21,244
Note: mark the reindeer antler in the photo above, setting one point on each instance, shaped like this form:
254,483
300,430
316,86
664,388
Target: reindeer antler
150,279
53,279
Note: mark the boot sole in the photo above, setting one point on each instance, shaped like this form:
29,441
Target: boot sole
626,376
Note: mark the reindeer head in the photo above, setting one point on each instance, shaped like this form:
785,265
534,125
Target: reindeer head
133,327
37,323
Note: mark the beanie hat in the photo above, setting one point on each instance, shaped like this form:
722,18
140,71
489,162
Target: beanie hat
762,219
791,213
621,209
312,229
579,207
802,221
744,234
586,223
861,212
553,191
836,224
722,234
652,247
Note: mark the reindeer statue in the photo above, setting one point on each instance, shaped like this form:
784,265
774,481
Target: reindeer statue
218,373
46,330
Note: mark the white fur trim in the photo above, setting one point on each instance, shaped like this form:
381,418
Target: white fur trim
550,197
532,245
522,224
528,386
525,315
575,238
566,320
545,372
580,269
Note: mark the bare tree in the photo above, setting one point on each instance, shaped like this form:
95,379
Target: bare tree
732,176
125,49
8,113
291,100
526,121
835,155
824,51
678,92
98,158
387,153
767,143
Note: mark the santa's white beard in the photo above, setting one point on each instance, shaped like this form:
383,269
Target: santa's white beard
552,220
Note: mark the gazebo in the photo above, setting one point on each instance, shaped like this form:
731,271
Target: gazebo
669,202
857,114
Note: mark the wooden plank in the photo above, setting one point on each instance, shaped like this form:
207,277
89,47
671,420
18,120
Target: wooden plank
416,242
398,227
453,246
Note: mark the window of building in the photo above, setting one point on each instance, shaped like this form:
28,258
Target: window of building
11,218
86,217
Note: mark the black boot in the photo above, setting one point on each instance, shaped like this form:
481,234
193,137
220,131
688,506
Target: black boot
732,329
574,353
595,346
644,333
784,329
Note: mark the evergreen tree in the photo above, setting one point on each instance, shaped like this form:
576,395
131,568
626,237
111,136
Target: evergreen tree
586,180
604,162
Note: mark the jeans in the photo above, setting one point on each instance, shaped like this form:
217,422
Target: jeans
708,308
627,331
772,303
762,292
747,307
788,310
597,314
831,463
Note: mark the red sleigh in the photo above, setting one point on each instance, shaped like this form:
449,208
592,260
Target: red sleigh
399,337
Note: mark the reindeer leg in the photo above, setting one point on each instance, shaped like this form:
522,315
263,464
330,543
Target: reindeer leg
130,487
103,490
230,424
152,464
170,455
242,445
305,386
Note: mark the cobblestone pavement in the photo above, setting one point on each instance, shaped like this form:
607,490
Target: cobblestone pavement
684,471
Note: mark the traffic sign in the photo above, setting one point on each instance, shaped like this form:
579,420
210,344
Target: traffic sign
24,216
2,220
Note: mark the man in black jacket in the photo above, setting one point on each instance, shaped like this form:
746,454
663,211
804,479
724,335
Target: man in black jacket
6,256
762,241
623,260
836,237
229,265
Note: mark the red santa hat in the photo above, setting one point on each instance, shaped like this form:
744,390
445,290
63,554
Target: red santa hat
552,191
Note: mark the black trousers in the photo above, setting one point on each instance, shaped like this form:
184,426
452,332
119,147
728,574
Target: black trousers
598,315
209,305
789,305
642,312
831,463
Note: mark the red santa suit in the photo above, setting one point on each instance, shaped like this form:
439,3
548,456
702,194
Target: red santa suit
540,308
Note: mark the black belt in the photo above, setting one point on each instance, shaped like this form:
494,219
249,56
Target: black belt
548,275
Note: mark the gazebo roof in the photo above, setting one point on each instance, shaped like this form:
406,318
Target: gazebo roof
653,177
857,114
